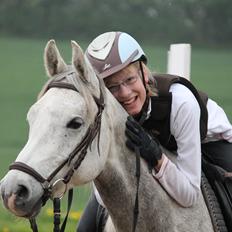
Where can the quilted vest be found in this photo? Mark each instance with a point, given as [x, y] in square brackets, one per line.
[159, 122]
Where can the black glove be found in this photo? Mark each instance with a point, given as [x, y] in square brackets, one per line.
[137, 137]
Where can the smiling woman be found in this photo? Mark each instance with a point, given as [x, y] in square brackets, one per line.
[18, 97]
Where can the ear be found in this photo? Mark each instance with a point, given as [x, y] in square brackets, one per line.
[80, 63]
[53, 62]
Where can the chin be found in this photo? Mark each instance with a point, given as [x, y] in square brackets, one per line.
[135, 111]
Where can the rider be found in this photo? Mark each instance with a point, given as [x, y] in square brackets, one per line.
[177, 119]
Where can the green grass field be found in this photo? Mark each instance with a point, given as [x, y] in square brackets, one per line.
[22, 76]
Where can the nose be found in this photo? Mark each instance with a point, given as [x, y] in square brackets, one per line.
[18, 199]
[21, 197]
[22, 194]
[124, 90]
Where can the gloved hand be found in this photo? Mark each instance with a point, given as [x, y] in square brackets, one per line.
[137, 137]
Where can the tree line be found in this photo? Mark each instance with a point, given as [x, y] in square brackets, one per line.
[203, 22]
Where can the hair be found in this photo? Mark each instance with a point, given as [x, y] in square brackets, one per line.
[151, 86]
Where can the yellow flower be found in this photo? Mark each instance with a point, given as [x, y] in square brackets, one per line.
[75, 215]
[49, 212]
[5, 229]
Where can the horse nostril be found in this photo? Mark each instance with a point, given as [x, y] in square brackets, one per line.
[22, 192]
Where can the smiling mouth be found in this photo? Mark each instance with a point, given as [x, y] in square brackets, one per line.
[129, 102]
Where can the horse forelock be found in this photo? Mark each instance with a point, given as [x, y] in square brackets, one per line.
[58, 78]
[86, 89]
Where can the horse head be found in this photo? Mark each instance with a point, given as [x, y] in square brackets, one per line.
[64, 132]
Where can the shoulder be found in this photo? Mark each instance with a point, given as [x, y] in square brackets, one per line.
[183, 100]
[184, 117]
[182, 94]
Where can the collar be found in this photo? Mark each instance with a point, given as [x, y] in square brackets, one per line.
[148, 109]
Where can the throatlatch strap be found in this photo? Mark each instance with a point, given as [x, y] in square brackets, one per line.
[70, 197]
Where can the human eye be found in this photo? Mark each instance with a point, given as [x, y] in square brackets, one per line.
[130, 80]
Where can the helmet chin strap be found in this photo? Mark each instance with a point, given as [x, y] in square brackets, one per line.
[143, 77]
[141, 117]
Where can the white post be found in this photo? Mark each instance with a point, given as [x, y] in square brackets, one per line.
[179, 60]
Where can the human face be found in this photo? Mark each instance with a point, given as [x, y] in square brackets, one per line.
[127, 87]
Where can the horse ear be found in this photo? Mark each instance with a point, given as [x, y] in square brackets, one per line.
[53, 62]
[80, 63]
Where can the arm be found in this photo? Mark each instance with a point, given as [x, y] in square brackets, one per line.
[182, 180]
[219, 126]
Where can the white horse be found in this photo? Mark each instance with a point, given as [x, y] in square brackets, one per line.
[59, 121]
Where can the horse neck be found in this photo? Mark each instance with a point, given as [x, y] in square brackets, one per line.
[116, 183]
[117, 187]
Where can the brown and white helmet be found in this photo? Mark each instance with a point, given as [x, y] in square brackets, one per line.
[110, 52]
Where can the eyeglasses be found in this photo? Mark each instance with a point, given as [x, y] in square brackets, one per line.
[127, 82]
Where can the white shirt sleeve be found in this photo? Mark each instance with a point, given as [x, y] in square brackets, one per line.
[182, 180]
[97, 195]
[219, 126]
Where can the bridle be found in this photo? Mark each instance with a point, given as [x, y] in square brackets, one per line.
[92, 132]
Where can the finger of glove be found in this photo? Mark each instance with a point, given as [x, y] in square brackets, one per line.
[130, 145]
[133, 125]
[156, 140]
[154, 150]
[149, 156]
[133, 137]
[133, 122]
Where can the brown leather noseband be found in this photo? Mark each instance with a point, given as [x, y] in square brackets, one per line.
[81, 148]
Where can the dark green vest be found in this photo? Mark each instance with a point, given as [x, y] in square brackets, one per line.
[159, 122]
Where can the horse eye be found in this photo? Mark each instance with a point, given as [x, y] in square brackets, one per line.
[75, 123]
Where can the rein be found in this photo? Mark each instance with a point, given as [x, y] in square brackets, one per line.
[137, 175]
[92, 132]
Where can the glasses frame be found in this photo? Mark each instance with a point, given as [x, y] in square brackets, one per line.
[115, 88]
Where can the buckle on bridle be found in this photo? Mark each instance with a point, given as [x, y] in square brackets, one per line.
[58, 184]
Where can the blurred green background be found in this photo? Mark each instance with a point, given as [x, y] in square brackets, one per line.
[26, 26]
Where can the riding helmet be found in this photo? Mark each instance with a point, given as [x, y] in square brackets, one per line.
[110, 52]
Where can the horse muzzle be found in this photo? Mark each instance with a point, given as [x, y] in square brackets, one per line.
[22, 197]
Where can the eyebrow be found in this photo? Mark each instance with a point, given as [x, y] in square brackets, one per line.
[116, 83]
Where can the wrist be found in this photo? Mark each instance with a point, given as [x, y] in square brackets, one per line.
[159, 164]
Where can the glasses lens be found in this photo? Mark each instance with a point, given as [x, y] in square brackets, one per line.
[114, 88]
[130, 80]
